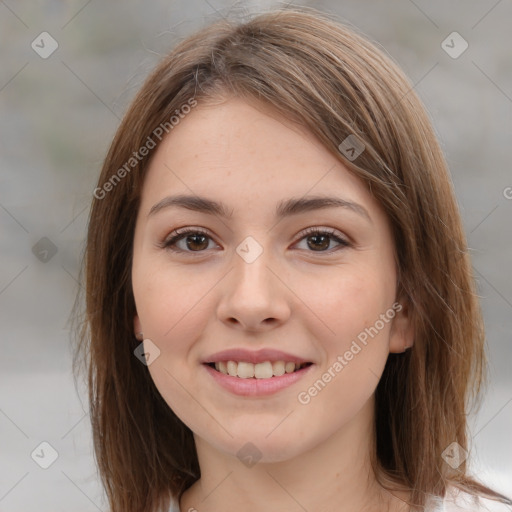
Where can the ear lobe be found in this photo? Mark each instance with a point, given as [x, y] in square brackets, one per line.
[402, 331]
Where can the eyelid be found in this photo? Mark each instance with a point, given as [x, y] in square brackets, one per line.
[188, 229]
[324, 230]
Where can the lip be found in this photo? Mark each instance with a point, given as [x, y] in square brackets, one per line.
[256, 387]
[252, 356]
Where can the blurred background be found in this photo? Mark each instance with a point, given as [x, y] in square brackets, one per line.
[68, 71]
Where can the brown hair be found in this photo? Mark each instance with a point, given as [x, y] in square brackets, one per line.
[336, 83]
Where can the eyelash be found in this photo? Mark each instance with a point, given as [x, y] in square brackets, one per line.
[182, 233]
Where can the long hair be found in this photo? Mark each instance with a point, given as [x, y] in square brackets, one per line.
[326, 76]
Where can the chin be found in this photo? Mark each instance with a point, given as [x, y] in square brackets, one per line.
[258, 446]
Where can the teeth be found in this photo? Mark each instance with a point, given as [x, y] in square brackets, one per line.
[263, 370]
[232, 368]
[289, 367]
[278, 368]
[245, 370]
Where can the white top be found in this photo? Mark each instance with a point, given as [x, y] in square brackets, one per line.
[454, 501]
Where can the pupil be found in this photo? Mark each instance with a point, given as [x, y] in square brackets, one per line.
[196, 237]
[326, 239]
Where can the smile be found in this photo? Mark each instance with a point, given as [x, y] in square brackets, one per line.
[263, 370]
[248, 379]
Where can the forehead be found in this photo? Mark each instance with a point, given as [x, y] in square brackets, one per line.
[235, 130]
[246, 155]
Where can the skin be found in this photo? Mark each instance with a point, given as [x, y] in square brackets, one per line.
[303, 298]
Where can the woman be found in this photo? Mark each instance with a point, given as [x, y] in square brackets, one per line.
[281, 313]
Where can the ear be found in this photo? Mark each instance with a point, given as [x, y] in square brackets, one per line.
[137, 327]
[402, 331]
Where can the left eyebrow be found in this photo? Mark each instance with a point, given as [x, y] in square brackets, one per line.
[284, 208]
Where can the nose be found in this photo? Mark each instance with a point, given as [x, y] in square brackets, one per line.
[254, 296]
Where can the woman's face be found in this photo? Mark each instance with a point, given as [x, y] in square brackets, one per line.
[271, 276]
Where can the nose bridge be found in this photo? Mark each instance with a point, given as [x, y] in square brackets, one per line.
[252, 293]
[252, 262]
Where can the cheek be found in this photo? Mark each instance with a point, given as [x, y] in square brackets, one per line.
[358, 312]
[348, 303]
[171, 306]
[356, 315]
[169, 302]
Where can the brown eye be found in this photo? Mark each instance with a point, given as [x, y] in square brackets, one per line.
[195, 241]
[319, 240]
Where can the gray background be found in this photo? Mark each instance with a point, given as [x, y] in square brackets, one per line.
[58, 116]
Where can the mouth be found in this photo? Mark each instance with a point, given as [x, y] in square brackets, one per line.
[258, 371]
[257, 380]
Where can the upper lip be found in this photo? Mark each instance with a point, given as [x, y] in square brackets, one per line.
[251, 356]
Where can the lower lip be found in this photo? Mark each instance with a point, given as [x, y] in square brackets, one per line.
[256, 387]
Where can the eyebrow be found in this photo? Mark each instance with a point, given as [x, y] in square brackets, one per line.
[284, 208]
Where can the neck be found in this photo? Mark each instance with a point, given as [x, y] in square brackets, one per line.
[336, 475]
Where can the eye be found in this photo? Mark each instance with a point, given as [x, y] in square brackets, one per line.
[320, 238]
[196, 240]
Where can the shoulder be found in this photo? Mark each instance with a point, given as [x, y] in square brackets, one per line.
[457, 500]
